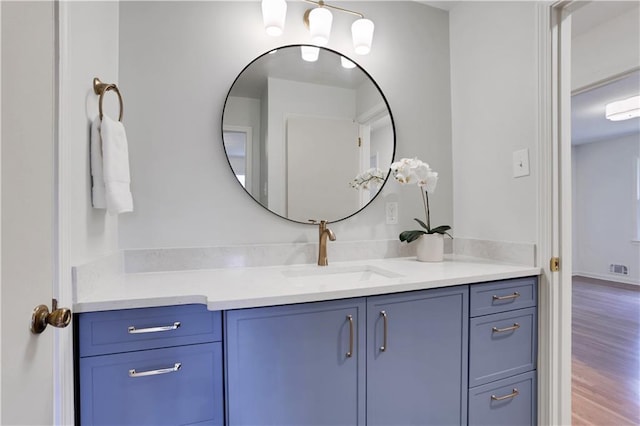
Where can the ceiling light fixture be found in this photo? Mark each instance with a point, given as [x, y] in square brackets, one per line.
[624, 109]
[319, 20]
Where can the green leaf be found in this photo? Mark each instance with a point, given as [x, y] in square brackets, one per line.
[440, 229]
[421, 223]
[410, 236]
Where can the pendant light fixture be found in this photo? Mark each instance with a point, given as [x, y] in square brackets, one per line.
[319, 21]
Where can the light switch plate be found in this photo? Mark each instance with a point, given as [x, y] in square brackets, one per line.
[521, 163]
[391, 210]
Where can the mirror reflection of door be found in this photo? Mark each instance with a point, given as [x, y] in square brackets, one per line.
[238, 147]
[322, 157]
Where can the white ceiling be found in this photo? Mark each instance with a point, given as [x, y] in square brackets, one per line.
[588, 123]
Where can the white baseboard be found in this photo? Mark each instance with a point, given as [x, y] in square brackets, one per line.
[607, 277]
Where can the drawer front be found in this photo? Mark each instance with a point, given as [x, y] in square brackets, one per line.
[501, 296]
[128, 330]
[159, 393]
[509, 402]
[502, 345]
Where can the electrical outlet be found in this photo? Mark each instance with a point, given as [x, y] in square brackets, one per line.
[521, 163]
[391, 210]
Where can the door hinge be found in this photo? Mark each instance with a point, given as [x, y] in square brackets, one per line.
[554, 265]
[359, 142]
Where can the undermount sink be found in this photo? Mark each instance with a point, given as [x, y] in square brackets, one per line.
[356, 273]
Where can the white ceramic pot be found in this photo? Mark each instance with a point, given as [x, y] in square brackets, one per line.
[430, 248]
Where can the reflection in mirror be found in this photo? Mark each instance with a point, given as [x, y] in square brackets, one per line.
[298, 132]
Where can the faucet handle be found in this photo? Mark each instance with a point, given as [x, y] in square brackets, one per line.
[313, 221]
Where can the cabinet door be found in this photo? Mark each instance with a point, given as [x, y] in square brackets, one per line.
[508, 402]
[170, 386]
[418, 374]
[289, 365]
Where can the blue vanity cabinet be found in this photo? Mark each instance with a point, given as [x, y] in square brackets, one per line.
[503, 336]
[153, 366]
[417, 358]
[300, 364]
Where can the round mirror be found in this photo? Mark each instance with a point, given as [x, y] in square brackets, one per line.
[308, 134]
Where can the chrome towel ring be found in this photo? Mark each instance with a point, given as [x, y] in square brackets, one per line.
[101, 88]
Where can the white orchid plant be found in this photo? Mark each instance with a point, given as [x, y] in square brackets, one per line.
[410, 171]
[372, 176]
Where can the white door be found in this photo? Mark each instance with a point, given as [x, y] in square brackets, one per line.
[27, 124]
[323, 157]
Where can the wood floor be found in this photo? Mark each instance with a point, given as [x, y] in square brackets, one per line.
[605, 358]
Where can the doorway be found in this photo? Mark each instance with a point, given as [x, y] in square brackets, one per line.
[605, 167]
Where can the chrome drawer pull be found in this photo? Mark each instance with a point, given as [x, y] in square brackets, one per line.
[350, 319]
[133, 330]
[502, 398]
[515, 326]
[383, 314]
[134, 373]
[515, 295]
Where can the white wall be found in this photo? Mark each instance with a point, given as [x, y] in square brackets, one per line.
[90, 49]
[604, 204]
[494, 91]
[177, 62]
[608, 49]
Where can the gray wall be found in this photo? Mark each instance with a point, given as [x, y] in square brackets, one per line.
[495, 92]
[177, 62]
[605, 206]
[90, 49]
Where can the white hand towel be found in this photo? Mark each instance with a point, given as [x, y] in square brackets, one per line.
[115, 166]
[97, 179]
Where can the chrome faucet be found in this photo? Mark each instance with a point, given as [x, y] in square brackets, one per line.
[324, 232]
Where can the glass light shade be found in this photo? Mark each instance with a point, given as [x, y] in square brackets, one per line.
[310, 53]
[624, 109]
[362, 33]
[320, 20]
[274, 13]
[347, 63]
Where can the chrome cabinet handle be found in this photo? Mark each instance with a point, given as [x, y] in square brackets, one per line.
[133, 330]
[350, 319]
[383, 314]
[515, 326]
[134, 373]
[501, 398]
[515, 295]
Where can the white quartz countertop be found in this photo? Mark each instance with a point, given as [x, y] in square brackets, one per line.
[234, 288]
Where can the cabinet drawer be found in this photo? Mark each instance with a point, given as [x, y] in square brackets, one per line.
[502, 345]
[158, 393]
[149, 328]
[500, 296]
[509, 402]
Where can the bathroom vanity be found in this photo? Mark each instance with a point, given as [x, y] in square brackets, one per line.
[362, 343]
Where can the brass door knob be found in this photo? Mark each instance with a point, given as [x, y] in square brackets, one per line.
[41, 317]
